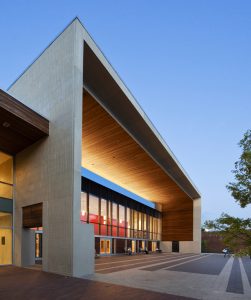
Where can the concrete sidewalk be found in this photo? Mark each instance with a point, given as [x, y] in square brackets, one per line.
[197, 276]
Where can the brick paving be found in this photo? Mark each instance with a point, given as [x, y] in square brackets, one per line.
[26, 284]
[154, 276]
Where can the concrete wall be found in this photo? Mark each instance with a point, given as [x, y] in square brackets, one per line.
[50, 170]
[166, 246]
[28, 247]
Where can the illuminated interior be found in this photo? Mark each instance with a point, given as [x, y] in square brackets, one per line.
[6, 175]
[109, 151]
[6, 195]
[112, 219]
[5, 238]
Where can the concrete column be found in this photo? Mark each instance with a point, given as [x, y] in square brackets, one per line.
[166, 246]
[50, 170]
[28, 247]
[85, 250]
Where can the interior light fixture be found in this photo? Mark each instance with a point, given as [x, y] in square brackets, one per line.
[6, 124]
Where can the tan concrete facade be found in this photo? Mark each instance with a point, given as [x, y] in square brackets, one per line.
[50, 171]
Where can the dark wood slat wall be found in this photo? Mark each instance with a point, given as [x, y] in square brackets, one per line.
[32, 216]
[97, 245]
[19, 125]
[22, 111]
[177, 221]
[120, 245]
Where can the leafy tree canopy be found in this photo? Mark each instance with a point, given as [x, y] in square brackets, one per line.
[236, 232]
[241, 188]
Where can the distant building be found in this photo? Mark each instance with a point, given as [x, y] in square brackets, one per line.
[212, 242]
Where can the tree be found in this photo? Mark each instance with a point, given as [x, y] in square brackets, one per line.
[236, 232]
[241, 188]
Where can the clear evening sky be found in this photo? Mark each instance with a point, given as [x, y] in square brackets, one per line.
[188, 63]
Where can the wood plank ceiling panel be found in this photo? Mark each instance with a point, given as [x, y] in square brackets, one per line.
[19, 125]
[109, 151]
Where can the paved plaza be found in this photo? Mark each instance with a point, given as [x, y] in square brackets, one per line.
[153, 276]
[205, 276]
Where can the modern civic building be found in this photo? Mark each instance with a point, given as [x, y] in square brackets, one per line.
[70, 110]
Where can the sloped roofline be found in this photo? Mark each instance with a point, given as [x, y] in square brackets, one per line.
[100, 55]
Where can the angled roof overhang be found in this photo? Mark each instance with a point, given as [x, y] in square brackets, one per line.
[20, 126]
[103, 84]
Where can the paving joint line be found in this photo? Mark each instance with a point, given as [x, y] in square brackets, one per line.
[152, 264]
[185, 262]
[114, 262]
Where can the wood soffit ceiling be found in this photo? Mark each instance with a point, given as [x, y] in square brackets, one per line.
[109, 151]
[19, 125]
[101, 81]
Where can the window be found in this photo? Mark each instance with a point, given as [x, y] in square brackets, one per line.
[155, 228]
[114, 219]
[84, 210]
[5, 238]
[103, 217]
[121, 221]
[121, 216]
[94, 212]
[114, 214]
[151, 227]
[109, 218]
[144, 222]
[140, 221]
[93, 209]
[6, 176]
[128, 221]
[159, 229]
[135, 219]
[103, 212]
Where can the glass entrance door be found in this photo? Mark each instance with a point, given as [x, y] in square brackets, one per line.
[38, 246]
[105, 246]
[133, 246]
[5, 238]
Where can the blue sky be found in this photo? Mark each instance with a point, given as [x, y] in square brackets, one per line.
[187, 63]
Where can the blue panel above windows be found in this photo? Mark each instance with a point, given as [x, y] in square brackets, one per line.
[6, 205]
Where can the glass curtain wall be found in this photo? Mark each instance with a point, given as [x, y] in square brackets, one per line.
[6, 195]
[5, 238]
[112, 219]
[6, 176]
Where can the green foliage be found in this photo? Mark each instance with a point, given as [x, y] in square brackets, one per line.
[203, 246]
[236, 232]
[241, 188]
